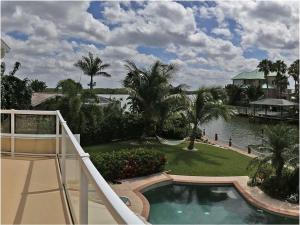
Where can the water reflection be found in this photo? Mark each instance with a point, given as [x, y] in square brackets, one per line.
[205, 204]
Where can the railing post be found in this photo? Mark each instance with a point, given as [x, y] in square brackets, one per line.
[83, 199]
[63, 153]
[12, 131]
[57, 134]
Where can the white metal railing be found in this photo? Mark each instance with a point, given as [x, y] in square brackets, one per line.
[70, 153]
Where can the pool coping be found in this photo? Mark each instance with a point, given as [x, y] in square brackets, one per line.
[178, 179]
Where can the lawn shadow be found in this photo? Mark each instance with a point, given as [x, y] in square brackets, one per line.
[191, 158]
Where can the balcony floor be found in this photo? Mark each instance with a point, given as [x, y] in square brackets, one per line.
[31, 192]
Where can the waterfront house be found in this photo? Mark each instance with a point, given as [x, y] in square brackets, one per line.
[256, 79]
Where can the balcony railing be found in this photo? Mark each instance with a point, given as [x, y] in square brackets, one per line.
[90, 198]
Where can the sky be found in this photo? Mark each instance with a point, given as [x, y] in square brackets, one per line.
[209, 41]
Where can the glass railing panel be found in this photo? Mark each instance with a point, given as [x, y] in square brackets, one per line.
[5, 123]
[35, 145]
[72, 173]
[5, 143]
[97, 210]
[35, 124]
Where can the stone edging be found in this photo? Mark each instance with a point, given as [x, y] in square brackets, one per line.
[247, 196]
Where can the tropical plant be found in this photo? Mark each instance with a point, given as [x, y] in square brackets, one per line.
[281, 79]
[253, 92]
[92, 66]
[3, 67]
[17, 66]
[128, 163]
[265, 66]
[235, 94]
[151, 94]
[280, 149]
[38, 86]
[15, 93]
[293, 71]
[70, 103]
[208, 105]
[69, 87]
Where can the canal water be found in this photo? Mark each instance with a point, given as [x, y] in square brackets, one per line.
[240, 129]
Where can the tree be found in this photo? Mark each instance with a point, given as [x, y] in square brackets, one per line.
[281, 148]
[253, 92]
[3, 67]
[92, 66]
[15, 93]
[265, 66]
[151, 94]
[69, 87]
[281, 79]
[293, 71]
[70, 103]
[38, 86]
[235, 94]
[17, 66]
[208, 105]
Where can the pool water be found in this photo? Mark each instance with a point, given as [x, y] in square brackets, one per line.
[205, 204]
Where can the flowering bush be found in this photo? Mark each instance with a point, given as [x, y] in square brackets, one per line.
[128, 163]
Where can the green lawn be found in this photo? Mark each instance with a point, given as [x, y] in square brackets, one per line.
[207, 161]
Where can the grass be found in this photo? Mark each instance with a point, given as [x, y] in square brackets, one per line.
[207, 161]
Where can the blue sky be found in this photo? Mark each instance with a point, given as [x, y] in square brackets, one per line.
[209, 41]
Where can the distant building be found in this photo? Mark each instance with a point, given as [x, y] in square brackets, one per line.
[4, 48]
[38, 98]
[256, 79]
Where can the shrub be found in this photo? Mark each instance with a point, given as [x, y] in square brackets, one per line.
[282, 187]
[15, 93]
[128, 163]
[277, 188]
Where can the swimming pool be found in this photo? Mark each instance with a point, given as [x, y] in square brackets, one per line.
[205, 204]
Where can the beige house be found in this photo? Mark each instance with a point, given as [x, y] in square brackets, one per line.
[4, 48]
[256, 79]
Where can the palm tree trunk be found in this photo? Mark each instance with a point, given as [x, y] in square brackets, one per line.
[279, 168]
[91, 83]
[192, 138]
[267, 87]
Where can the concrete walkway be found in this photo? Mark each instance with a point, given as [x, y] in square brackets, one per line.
[31, 192]
[132, 188]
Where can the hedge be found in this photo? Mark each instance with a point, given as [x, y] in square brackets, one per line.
[128, 163]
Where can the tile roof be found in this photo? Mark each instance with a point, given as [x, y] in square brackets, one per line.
[253, 75]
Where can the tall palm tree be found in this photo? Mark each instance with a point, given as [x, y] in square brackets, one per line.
[281, 79]
[151, 94]
[265, 66]
[293, 71]
[280, 149]
[92, 66]
[208, 105]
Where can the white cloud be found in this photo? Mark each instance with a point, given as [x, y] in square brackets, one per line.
[223, 32]
[49, 54]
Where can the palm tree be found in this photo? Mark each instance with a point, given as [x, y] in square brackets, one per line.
[281, 79]
[92, 66]
[280, 149]
[17, 66]
[150, 93]
[3, 67]
[293, 71]
[208, 105]
[265, 66]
